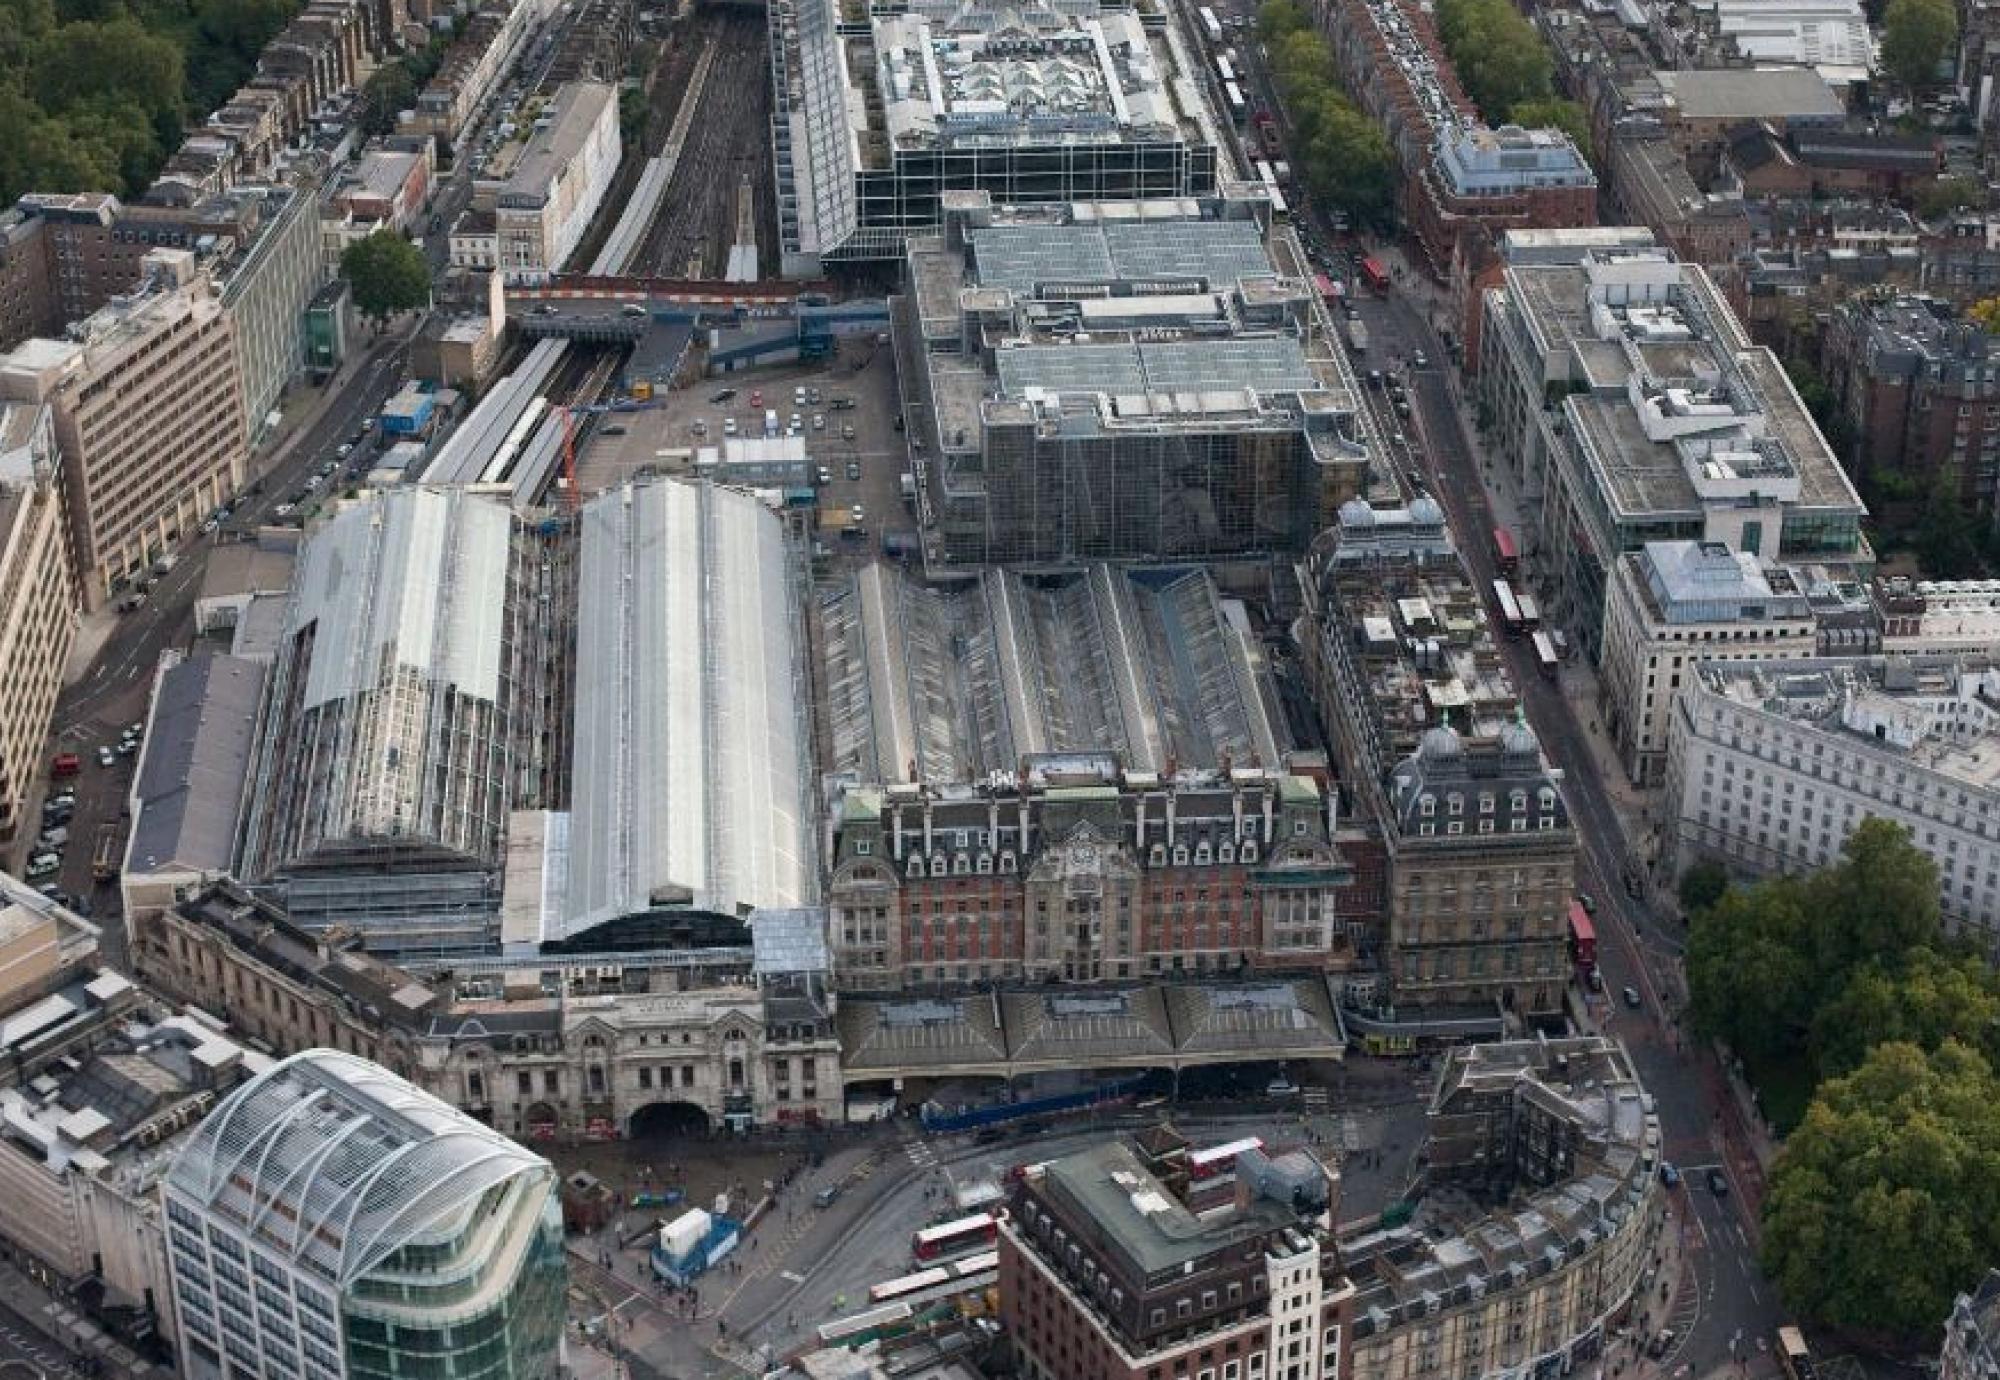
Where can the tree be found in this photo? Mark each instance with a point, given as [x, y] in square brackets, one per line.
[388, 273]
[1944, 538]
[390, 91]
[1702, 885]
[1349, 164]
[1500, 59]
[1879, 902]
[1750, 968]
[1554, 113]
[1276, 18]
[1916, 35]
[1925, 1000]
[1948, 194]
[1881, 1206]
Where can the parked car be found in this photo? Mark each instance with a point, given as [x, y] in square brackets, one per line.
[53, 838]
[65, 764]
[1718, 1183]
[1669, 1175]
[826, 1196]
[42, 868]
[854, 469]
[722, 395]
[1631, 995]
[104, 757]
[847, 433]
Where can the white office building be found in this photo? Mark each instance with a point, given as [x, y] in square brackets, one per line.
[1770, 765]
[1675, 603]
[328, 1221]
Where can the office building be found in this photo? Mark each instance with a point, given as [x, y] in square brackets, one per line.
[880, 113]
[1084, 776]
[382, 1232]
[149, 414]
[1672, 604]
[1972, 1334]
[556, 186]
[37, 599]
[1916, 382]
[1633, 408]
[1108, 1273]
[1771, 765]
[1428, 731]
[1557, 1141]
[1116, 381]
[1938, 617]
[396, 722]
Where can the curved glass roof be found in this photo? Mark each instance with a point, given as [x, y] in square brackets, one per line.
[334, 1163]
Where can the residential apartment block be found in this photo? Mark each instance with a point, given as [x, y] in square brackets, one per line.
[1917, 383]
[560, 180]
[149, 417]
[37, 599]
[1771, 765]
[1426, 724]
[1673, 604]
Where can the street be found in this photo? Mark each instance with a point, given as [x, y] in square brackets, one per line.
[1695, 1118]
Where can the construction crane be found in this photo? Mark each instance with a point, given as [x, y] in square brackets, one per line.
[570, 412]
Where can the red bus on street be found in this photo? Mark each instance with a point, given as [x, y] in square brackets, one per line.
[1506, 556]
[1376, 276]
[960, 1237]
[1582, 939]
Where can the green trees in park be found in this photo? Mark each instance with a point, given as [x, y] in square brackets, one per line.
[1881, 1202]
[1342, 156]
[388, 275]
[93, 93]
[1916, 36]
[1882, 1205]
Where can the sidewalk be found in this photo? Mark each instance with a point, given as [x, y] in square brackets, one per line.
[68, 1329]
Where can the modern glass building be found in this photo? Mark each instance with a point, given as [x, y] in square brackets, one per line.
[328, 1221]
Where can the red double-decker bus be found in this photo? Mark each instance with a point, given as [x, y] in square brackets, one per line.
[1506, 556]
[1376, 276]
[949, 1239]
[1582, 940]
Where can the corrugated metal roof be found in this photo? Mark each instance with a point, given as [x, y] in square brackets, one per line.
[688, 779]
[197, 756]
[411, 577]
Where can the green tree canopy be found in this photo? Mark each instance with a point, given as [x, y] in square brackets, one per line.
[1555, 113]
[1501, 61]
[1883, 1203]
[1916, 35]
[388, 274]
[1925, 1000]
[1702, 885]
[1276, 18]
[1945, 542]
[1342, 157]
[387, 93]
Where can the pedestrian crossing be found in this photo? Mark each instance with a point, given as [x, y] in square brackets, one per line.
[921, 1154]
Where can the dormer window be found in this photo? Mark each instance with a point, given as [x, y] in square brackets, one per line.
[1455, 803]
[1486, 803]
[1428, 805]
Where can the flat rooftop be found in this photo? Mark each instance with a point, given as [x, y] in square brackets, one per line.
[1764, 93]
[1109, 1186]
[1940, 713]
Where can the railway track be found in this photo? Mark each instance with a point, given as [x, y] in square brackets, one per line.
[727, 139]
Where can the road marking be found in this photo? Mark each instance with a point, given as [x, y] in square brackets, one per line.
[791, 1277]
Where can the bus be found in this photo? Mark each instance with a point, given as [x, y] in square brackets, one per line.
[1531, 612]
[1218, 1160]
[1224, 69]
[1375, 275]
[1510, 612]
[951, 1239]
[1210, 25]
[890, 1320]
[1545, 655]
[896, 1290]
[1582, 940]
[1506, 555]
[974, 1266]
[1794, 1356]
[1329, 289]
[1234, 94]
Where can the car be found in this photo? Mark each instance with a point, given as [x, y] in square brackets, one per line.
[841, 405]
[857, 515]
[729, 426]
[853, 470]
[722, 395]
[1420, 360]
[344, 448]
[42, 868]
[819, 421]
[1374, 378]
[1587, 901]
[698, 427]
[1631, 996]
[1661, 1343]
[65, 764]
[126, 747]
[207, 525]
[799, 397]
[796, 423]
[65, 796]
[1718, 1182]
[1669, 1175]
[312, 485]
[756, 397]
[105, 757]
[826, 1196]
[847, 433]
[284, 510]
[825, 476]
[614, 430]
[1403, 409]
[812, 396]
[45, 855]
[53, 838]
[1281, 1087]
[545, 309]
